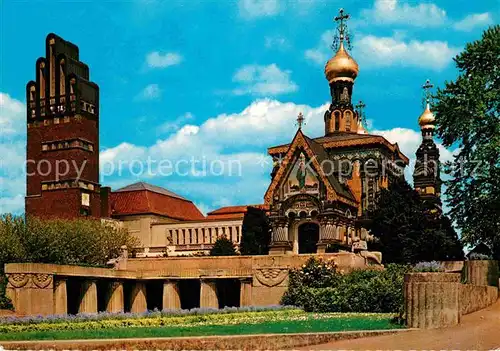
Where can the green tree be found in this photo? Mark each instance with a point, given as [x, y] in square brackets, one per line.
[76, 242]
[407, 232]
[223, 247]
[467, 115]
[256, 233]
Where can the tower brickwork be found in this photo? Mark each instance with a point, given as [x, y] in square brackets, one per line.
[62, 136]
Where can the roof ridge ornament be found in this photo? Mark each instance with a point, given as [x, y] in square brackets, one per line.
[300, 120]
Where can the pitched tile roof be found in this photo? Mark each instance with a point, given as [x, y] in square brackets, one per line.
[144, 198]
[150, 187]
[233, 212]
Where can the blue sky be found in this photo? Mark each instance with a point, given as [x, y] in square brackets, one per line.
[223, 80]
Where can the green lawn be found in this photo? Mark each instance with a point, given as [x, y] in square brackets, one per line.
[309, 323]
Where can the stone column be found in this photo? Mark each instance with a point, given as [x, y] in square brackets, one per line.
[280, 240]
[115, 298]
[208, 294]
[88, 297]
[432, 300]
[138, 298]
[171, 297]
[246, 292]
[60, 296]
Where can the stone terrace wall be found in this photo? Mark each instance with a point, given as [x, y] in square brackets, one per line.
[434, 300]
[48, 288]
[474, 298]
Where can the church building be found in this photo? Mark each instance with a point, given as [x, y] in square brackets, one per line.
[323, 187]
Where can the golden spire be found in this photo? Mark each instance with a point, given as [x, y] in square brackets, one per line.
[427, 119]
[341, 66]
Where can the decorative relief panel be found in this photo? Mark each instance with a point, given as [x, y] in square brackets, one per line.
[27, 280]
[271, 276]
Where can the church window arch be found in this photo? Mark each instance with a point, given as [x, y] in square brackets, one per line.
[337, 120]
[348, 118]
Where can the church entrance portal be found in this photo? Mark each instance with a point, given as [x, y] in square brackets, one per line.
[308, 237]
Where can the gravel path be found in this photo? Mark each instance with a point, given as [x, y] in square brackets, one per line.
[476, 331]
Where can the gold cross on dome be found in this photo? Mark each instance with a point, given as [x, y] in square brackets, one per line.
[427, 91]
[300, 120]
[342, 26]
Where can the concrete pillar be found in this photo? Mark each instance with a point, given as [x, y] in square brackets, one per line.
[60, 296]
[171, 297]
[88, 297]
[481, 272]
[246, 292]
[138, 302]
[115, 298]
[208, 294]
[432, 300]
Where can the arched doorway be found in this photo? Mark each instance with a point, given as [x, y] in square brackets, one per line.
[308, 237]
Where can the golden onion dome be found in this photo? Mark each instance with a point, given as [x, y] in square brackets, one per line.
[341, 66]
[427, 119]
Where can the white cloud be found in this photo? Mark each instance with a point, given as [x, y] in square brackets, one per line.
[157, 59]
[12, 151]
[317, 56]
[276, 42]
[473, 21]
[372, 51]
[388, 12]
[322, 52]
[12, 115]
[393, 51]
[173, 125]
[150, 92]
[241, 137]
[263, 80]
[258, 8]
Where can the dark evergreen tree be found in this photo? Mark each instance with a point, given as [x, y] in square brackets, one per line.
[223, 247]
[467, 115]
[256, 233]
[407, 232]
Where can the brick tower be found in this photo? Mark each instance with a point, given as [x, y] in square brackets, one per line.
[62, 150]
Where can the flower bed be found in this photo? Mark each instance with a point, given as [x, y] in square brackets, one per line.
[157, 325]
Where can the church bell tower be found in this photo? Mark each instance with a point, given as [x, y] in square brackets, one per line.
[341, 71]
[62, 153]
[426, 176]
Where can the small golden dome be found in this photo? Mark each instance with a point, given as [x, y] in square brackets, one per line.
[427, 119]
[341, 66]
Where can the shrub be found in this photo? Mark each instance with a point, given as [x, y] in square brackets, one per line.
[223, 247]
[432, 266]
[319, 287]
[76, 242]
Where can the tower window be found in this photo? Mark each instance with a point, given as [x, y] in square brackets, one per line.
[348, 121]
[337, 120]
[86, 199]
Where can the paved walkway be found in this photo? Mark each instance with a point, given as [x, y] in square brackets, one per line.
[476, 331]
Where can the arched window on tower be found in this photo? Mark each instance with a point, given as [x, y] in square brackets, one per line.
[348, 118]
[42, 80]
[62, 79]
[337, 120]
